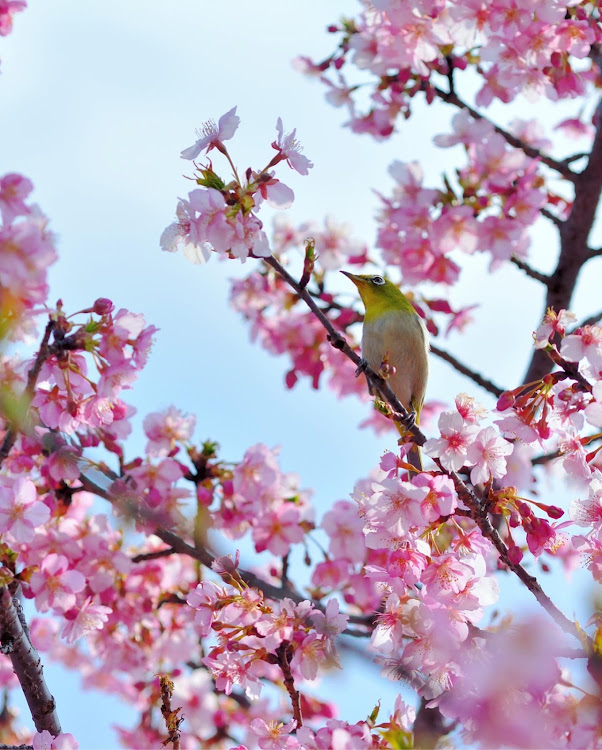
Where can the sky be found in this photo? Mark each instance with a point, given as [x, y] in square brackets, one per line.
[98, 100]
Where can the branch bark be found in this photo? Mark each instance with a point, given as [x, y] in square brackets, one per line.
[27, 665]
[574, 249]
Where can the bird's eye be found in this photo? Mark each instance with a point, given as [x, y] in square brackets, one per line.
[378, 280]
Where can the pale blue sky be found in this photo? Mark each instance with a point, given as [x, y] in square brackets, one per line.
[98, 99]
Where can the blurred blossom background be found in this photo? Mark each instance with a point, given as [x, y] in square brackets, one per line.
[98, 100]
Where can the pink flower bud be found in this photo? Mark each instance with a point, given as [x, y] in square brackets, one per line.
[505, 401]
[103, 306]
[515, 554]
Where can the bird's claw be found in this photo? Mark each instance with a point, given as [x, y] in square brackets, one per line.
[361, 368]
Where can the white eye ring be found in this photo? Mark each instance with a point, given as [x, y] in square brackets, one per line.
[378, 280]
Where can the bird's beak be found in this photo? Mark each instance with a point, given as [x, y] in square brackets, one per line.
[356, 279]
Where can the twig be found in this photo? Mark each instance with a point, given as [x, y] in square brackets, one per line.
[537, 275]
[552, 217]
[27, 665]
[284, 658]
[592, 320]
[170, 716]
[534, 153]
[488, 385]
[144, 556]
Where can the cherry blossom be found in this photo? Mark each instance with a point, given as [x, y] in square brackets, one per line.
[212, 135]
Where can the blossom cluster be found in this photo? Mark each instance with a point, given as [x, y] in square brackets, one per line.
[222, 217]
[498, 196]
[408, 48]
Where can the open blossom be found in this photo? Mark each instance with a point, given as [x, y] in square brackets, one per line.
[452, 447]
[553, 323]
[274, 735]
[14, 188]
[585, 343]
[46, 741]
[276, 530]
[165, 429]
[487, 453]
[55, 584]
[210, 135]
[330, 622]
[290, 149]
[20, 510]
[90, 616]
[345, 529]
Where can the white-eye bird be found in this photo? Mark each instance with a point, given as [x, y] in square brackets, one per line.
[394, 333]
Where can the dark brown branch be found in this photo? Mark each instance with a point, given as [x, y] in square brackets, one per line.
[534, 153]
[591, 321]
[32, 377]
[27, 665]
[170, 715]
[144, 556]
[488, 385]
[552, 217]
[284, 662]
[574, 249]
[429, 726]
[545, 280]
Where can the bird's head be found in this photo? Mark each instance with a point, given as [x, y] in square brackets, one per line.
[379, 295]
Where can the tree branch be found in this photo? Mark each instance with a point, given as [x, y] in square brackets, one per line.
[27, 665]
[534, 153]
[574, 249]
[488, 385]
[545, 280]
[552, 217]
[591, 321]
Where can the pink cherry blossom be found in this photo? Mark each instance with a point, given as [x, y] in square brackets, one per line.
[274, 735]
[88, 617]
[345, 529]
[452, 447]
[585, 343]
[165, 429]
[486, 453]
[20, 510]
[55, 584]
[290, 149]
[330, 622]
[45, 741]
[14, 189]
[211, 135]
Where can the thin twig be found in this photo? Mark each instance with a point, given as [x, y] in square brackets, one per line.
[488, 385]
[551, 217]
[537, 275]
[284, 658]
[591, 321]
[144, 556]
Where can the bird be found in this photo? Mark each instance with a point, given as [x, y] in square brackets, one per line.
[394, 333]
